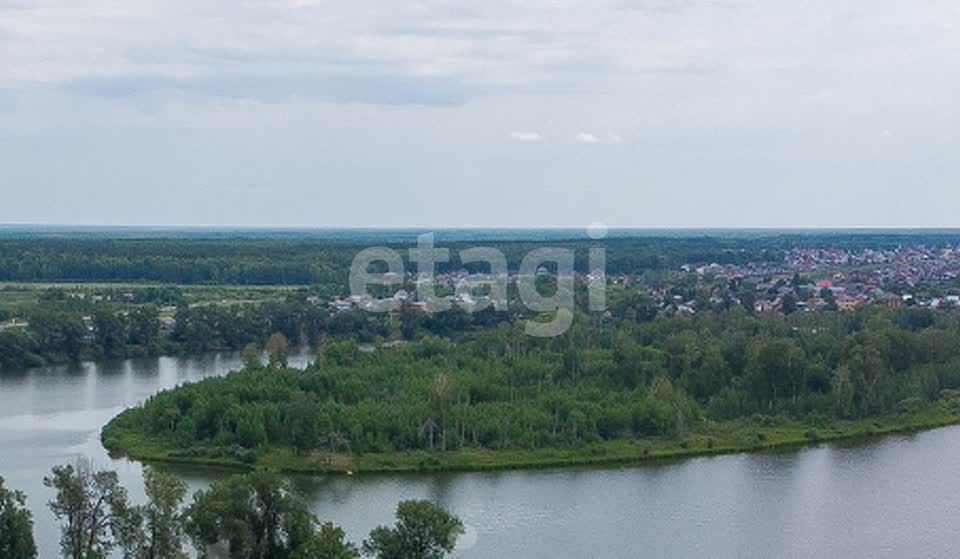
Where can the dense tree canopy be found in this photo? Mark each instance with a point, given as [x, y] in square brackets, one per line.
[259, 516]
[500, 389]
[16, 526]
[252, 260]
[423, 531]
[154, 530]
[93, 507]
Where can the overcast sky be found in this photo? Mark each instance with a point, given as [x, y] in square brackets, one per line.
[639, 113]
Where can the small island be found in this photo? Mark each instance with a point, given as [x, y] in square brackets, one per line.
[614, 390]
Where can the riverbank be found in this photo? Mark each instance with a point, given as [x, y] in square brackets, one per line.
[709, 439]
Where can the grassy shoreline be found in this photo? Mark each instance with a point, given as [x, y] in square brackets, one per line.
[710, 439]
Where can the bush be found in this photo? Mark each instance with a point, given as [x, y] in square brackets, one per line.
[818, 421]
[730, 403]
[910, 405]
[652, 418]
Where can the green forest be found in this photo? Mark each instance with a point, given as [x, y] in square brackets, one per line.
[304, 258]
[609, 389]
[305, 261]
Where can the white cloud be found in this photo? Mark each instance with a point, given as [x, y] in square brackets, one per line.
[526, 136]
[661, 51]
[590, 138]
[708, 86]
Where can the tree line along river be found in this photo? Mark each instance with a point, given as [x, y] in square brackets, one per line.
[897, 496]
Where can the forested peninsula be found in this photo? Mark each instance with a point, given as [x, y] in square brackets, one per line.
[611, 390]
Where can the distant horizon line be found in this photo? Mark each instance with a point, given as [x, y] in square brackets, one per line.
[68, 226]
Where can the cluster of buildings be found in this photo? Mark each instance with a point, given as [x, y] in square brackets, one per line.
[840, 279]
[402, 298]
[127, 297]
[13, 324]
[806, 279]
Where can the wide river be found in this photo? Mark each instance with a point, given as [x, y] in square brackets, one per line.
[894, 497]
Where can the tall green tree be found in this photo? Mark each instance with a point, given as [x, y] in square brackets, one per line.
[250, 356]
[278, 351]
[843, 391]
[303, 422]
[110, 334]
[92, 508]
[870, 376]
[144, 328]
[16, 526]
[775, 369]
[257, 516]
[423, 531]
[789, 303]
[59, 333]
[441, 394]
[329, 542]
[155, 530]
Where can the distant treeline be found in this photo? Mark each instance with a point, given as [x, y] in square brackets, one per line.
[183, 261]
[303, 262]
[305, 259]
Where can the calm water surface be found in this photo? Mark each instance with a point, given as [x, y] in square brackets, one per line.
[896, 497]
